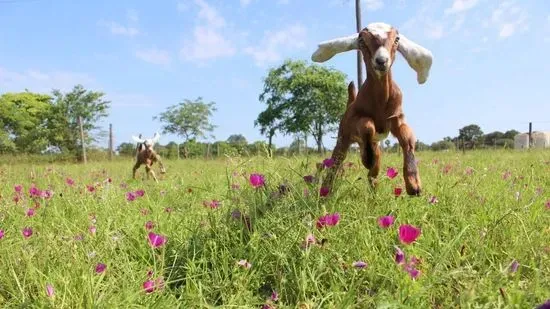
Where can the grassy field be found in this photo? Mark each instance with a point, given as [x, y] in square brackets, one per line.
[89, 236]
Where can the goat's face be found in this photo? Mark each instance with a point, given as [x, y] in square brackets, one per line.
[378, 43]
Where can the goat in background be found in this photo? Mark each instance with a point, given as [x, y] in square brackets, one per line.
[145, 154]
[376, 109]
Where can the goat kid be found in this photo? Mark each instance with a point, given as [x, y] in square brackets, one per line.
[145, 154]
[376, 110]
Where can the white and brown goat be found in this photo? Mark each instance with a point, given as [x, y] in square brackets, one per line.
[375, 111]
[145, 154]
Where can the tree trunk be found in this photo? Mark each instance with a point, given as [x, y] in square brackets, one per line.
[269, 143]
[319, 139]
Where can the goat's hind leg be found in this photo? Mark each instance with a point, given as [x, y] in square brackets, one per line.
[407, 141]
[369, 148]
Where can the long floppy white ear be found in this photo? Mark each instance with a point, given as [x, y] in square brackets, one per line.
[418, 57]
[137, 139]
[156, 137]
[327, 49]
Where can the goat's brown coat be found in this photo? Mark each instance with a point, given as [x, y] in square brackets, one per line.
[148, 156]
[375, 109]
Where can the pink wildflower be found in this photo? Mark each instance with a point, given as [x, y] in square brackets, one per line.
[156, 240]
[30, 212]
[100, 268]
[92, 230]
[328, 220]
[244, 263]
[324, 191]
[385, 221]
[149, 225]
[391, 173]
[27, 232]
[18, 188]
[1, 234]
[139, 193]
[328, 163]
[408, 233]
[49, 290]
[397, 191]
[149, 286]
[399, 256]
[359, 264]
[257, 180]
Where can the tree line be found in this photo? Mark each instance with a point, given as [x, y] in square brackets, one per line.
[302, 100]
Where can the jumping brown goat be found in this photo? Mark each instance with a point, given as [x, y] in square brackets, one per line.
[375, 111]
[145, 154]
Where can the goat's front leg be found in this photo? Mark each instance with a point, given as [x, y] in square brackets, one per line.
[135, 168]
[407, 141]
[369, 148]
[150, 171]
[339, 154]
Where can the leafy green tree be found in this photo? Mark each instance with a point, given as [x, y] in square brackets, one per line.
[126, 149]
[302, 98]
[188, 119]
[471, 134]
[510, 134]
[237, 139]
[23, 120]
[67, 108]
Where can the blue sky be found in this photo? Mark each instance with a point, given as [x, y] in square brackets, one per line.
[490, 64]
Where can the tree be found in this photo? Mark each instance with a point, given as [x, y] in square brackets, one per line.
[491, 139]
[66, 110]
[471, 134]
[188, 119]
[126, 149]
[23, 122]
[302, 98]
[237, 139]
[510, 134]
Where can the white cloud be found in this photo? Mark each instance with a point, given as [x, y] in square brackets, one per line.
[460, 6]
[508, 19]
[207, 44]
[269, 49]
[372, 5]
[210, 38]
[154, 56]
[118, 29]
[245, 3]
[40, 81]
[132, 15]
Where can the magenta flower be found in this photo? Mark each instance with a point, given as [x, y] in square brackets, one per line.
[92, 230]
[69, 181]
[308, 178]
[328, 163]
[244, 263]
[149, 286]
[274, 296]
[433, 200]
[310, 240]
[413, 272]
[391, 173]
[359, 264]
[328, 220]
[49, 290]
[90, 188]
[156, 240]
[257, 180]
[385, 221]
[18, 188]
[408, 233]
[397, 191]
[399, 256]
[130, 196]
[214, 204]
[149, 225]
[30, 212]
[514, 266]
[139, 193]
[34, 191]
[27, 232]
[324, 191]
[547, 204]
[100, 268]
[1, 234]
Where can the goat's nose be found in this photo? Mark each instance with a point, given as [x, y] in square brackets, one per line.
[381, 60]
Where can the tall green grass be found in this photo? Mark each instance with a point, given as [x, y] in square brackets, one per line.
[490, 212]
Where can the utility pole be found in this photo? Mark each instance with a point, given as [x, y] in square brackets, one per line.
[530, 134]
[82, 140]
[110, 141]
[359, 56]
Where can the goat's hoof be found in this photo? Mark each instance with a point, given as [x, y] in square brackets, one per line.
[414, 191]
